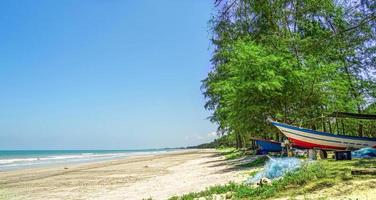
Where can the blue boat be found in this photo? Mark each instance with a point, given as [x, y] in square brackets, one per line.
[266, 146]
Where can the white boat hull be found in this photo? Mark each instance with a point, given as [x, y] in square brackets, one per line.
[307, 138]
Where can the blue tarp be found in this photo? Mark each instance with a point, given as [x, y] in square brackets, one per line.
[364, 153]
[275, 168]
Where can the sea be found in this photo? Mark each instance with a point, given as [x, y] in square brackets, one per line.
[21, 159]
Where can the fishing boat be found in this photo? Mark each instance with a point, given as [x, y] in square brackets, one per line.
[266, 146]
[309, 139]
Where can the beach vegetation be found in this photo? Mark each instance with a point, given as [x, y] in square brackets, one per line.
[231, 153]
[309, 178]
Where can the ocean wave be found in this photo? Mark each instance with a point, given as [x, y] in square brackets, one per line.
[11, 162]
[15, 160]
[26, 159]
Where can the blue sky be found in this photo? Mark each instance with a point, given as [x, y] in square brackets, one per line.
[103, 74]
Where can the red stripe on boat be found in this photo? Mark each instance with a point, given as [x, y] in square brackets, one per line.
[308, 145]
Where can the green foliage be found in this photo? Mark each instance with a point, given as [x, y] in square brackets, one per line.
[242, 191]
[208, 192]
[290, 60]
[234, 155]
[231, 153]
[309, 178]
[253, 173]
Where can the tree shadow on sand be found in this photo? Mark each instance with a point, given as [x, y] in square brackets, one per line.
[242, 163]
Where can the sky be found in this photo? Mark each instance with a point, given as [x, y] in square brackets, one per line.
[103, 74]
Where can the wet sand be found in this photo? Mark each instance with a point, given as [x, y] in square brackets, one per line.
[137, 177]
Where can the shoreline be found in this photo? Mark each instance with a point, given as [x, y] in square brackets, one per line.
[84, 163]
[135, 177]
[66, 157]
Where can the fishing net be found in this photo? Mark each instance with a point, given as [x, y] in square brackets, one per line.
[364, 153]
[275, 168]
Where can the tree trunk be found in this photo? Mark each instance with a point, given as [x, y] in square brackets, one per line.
[343, 127]
[330, 127]
[360, 130]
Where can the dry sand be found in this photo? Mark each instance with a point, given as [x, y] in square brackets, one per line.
[157, 176]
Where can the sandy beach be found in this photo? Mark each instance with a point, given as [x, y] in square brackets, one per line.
[136, 177]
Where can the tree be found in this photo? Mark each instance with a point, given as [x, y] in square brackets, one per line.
[293, 60]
